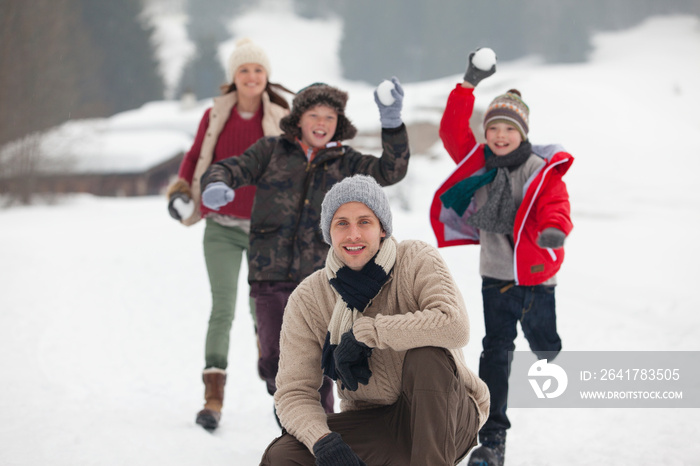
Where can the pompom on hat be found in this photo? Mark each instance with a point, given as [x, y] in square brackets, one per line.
[358, 188]
[247, 51]
[509, 108]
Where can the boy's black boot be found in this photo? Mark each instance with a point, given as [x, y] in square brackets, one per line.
[492, 450]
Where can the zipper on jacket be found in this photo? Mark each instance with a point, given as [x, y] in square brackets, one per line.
[551, 254]
[300, 210]
[305, 195]
[547, 169]
[309, 153]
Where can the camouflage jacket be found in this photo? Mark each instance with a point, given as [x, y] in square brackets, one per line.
[286, 243]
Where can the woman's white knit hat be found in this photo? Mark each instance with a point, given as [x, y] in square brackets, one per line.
[358, 188]
[247, 51]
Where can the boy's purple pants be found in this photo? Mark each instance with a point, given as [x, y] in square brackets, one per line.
[270, 301]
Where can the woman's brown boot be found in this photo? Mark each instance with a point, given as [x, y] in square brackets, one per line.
[214, 383]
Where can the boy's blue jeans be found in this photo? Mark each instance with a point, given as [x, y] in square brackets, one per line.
[504, 305]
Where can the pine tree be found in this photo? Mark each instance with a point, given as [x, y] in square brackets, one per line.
[64, 59]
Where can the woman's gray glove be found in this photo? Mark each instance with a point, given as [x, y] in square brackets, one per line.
[332, 451]
[390, 115]
[551, 238]
[217, 194]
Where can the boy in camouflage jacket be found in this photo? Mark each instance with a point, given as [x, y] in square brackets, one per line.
[292, 173]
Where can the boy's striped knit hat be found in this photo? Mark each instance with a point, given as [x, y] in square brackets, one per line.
[509, 108]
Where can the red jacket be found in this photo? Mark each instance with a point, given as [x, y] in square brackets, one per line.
[545, 202]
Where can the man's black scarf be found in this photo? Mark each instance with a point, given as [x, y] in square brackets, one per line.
[355, 289]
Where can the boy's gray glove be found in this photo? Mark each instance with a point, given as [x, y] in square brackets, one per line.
[475, 75]
[332, 451]
[551, 238]
[390, 115]
[217, 194]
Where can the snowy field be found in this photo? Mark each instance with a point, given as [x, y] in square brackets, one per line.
[105, 301]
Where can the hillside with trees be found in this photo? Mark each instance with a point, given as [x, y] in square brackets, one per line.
[69, 59]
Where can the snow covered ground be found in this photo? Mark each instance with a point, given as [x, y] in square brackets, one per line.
[105, 301]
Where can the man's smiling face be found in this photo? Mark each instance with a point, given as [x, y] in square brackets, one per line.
[356, 234]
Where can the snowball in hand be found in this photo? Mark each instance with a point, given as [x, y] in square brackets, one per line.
[484, 58]
[185, 209]
[384, 92]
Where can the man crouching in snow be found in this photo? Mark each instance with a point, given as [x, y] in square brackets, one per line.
[387, 322]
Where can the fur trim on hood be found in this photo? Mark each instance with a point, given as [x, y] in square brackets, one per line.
[311, 96]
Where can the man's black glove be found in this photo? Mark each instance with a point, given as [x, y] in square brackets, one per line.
[551, 238]
[352, 361]
[474, 75]
[332, 451]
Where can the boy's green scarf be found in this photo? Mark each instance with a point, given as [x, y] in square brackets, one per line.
[498, 214]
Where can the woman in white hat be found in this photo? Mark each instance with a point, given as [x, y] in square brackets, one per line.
[250, 108]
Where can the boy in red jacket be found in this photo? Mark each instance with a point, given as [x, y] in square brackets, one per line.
[509, 197]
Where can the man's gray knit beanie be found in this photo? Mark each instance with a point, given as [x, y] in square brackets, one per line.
[358, 188]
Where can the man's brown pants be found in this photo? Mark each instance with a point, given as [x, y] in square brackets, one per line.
[434, 421]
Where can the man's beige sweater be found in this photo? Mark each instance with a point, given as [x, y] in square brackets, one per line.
[420, 305]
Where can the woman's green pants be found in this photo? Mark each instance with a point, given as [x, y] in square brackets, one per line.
[224, 249]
